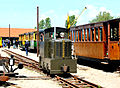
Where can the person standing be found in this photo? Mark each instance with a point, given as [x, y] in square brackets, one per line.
[3, 43]
[26, 47]
[16, 43]
[8, 44]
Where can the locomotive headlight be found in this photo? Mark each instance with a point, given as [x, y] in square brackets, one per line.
[62, 35]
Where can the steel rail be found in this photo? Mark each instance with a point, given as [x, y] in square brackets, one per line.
[31, 78]
[25, 61]
[22, 56]
[75, 82]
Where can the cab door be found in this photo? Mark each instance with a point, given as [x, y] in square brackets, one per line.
[114, 41]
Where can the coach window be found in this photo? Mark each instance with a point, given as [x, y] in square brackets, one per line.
[96, 34]
[100, 33]
[89, 34]
[114, 31]
[82, 34]
[79, 35]
[114, 34]
[92, 31]
[35, 36]
[85, 34]
[74, 35]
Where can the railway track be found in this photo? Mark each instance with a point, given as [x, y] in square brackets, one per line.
[28, 62]
[75, 82]
[71, 82]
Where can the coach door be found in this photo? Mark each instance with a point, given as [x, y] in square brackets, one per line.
[114, 40]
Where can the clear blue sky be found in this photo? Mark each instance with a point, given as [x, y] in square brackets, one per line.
[22, 13]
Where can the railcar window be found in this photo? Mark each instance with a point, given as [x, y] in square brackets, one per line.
[82, 34]
[114, 34]
[96, 34]
[74, 35]
[85, 34]
[89, 34]
[35, 36]
[79, 35]
[100, 34]
[92, 30]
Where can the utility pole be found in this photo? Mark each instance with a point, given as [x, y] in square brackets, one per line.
[37, 31]
[9, 31]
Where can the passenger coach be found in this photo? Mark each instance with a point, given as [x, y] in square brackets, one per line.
[97, 41]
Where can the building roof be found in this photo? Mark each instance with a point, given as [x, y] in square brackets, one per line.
[14, 32]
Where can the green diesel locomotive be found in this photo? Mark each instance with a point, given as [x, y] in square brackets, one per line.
[55, 51]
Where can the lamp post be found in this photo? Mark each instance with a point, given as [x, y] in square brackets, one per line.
[37, 31]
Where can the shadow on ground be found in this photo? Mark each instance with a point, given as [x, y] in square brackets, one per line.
[6, 84]
[98, 65]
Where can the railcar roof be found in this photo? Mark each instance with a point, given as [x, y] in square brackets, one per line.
[59, 29]
[97, 23]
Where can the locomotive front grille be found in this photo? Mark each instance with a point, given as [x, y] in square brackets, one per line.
[63, 49]
[63, 55]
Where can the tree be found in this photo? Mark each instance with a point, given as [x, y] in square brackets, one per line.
[42, 24]
[102, 16]
[35, 27]
[71, 19]
[47, 23]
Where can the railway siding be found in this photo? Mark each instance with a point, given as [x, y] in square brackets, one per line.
[105, 79]
[27, 61]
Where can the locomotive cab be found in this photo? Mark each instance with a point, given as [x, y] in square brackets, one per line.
[55, 51]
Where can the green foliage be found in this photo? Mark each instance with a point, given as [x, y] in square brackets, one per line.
[71, 19]
[102, 16]
[44, 23]
[47, 23]
[35, 27]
